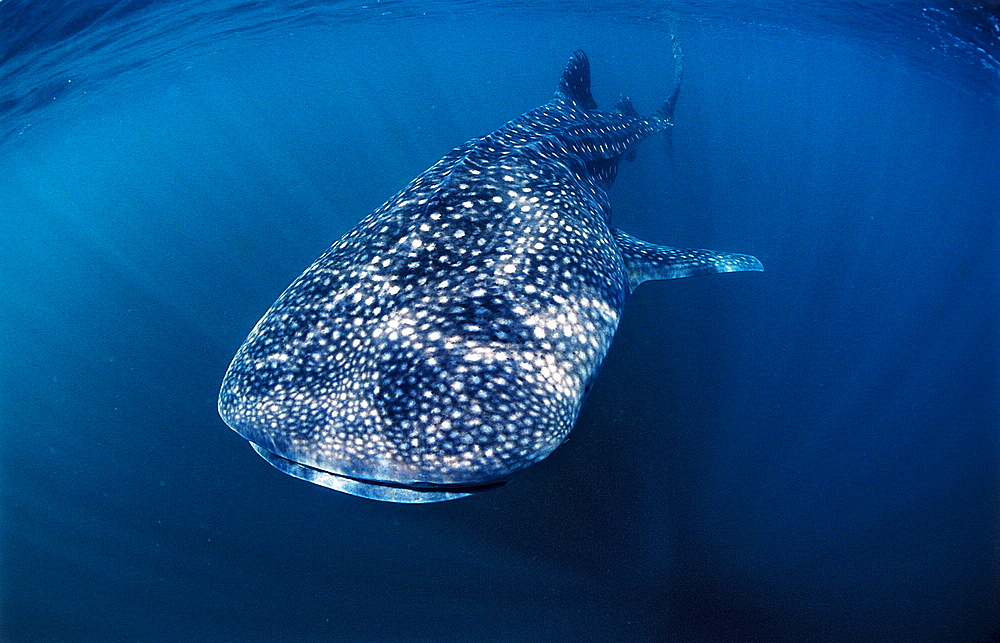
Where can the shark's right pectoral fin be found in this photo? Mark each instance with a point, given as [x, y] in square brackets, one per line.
[648, 262]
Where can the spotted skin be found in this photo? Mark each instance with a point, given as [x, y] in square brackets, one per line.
[448, 340]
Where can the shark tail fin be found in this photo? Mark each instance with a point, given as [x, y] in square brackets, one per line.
[667, 109]
[575, 83]
[648, 262]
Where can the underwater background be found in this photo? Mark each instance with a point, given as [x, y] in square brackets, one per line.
[811, 453]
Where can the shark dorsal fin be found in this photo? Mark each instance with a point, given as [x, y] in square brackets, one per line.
[626, 107]
[575, 83]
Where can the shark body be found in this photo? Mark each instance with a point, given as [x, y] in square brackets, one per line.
[448, 341]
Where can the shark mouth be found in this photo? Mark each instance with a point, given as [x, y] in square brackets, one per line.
[385, 490]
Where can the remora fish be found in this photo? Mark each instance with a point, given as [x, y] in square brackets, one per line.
[448, 340]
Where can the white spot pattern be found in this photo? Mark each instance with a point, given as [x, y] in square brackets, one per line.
[450, 337]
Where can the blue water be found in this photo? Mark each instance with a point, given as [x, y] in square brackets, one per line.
[811, 453]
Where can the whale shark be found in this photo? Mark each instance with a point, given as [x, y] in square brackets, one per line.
[448, 340]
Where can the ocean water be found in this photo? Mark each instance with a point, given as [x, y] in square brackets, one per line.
[811, 453]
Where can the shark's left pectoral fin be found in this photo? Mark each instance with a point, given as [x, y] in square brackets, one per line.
[648, 262]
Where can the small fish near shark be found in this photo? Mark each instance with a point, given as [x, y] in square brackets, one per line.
[447, 342]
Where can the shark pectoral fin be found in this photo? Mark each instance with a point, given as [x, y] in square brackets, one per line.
[648, 262]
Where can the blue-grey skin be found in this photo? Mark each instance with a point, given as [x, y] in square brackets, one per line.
[447, 341]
